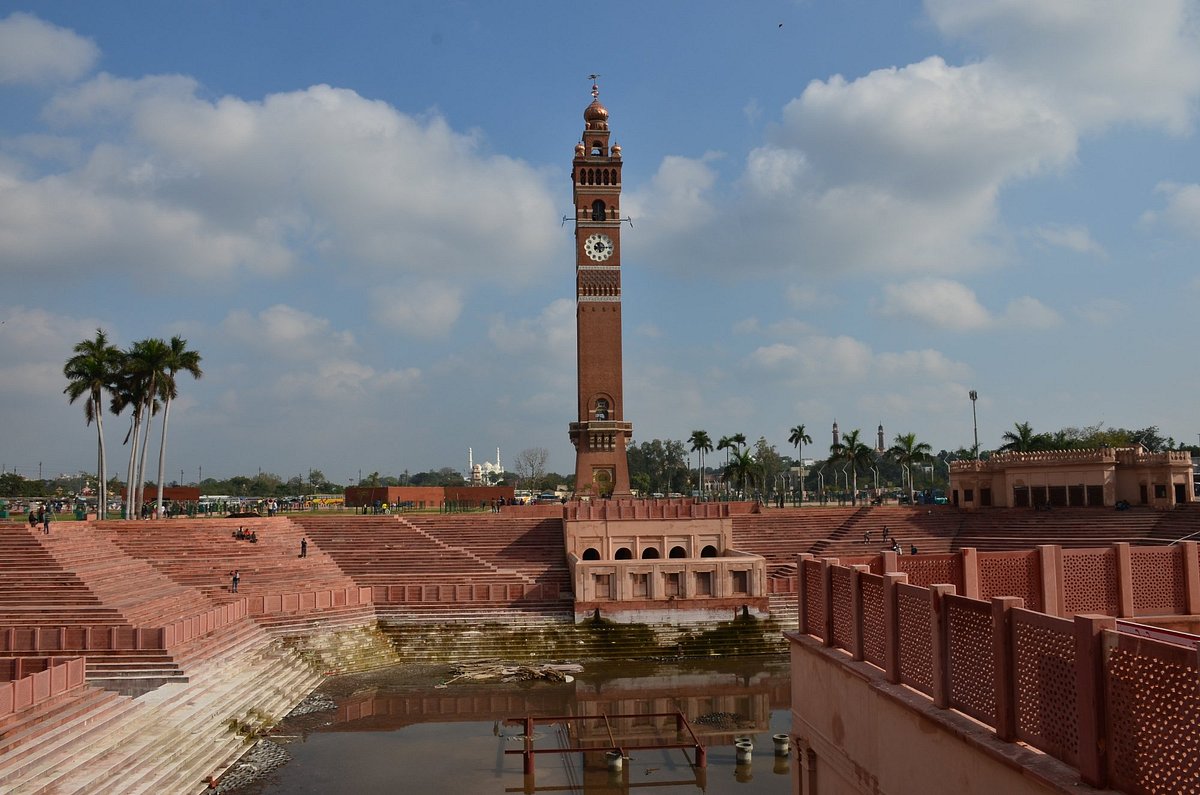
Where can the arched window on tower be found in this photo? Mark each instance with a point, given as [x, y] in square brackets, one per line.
[602, 409]
[598, 210]
[597, 148]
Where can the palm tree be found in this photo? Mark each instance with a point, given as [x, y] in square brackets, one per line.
[798, 438]
[739, 439]
[142, 375]
[906, 451]
[90, 371]
[741, 470]
[179, 359]
[1021, 439]
[701, 444]
[854, 452]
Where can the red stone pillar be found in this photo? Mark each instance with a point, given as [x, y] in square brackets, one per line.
[1125, 607]
[1050, 559]
[940, 648]
[1089, 696]
[827, 565]
[1004, 651]
[891, 626]
[968, 558]
[801, 593]
[856, 613]
[1191, 576]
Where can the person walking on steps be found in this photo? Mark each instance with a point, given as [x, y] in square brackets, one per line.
[304, 547]
[234, 578]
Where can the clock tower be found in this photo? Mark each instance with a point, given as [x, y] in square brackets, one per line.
[601, 434]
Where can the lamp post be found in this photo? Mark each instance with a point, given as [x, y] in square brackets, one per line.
[975, 420]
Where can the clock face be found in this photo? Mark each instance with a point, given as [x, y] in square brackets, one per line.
[598, 247]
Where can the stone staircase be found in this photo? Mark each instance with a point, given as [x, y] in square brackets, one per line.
[169, 740]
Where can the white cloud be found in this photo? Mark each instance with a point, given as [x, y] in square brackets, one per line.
[1028, 313]
[210, 190]
[338, 381]
[286, 332]
[1182, 209]
[1100, 61]
[820, 358]
[946, 304]
[1102, 311]
[425, 309]
[937, 302]
[35, 52]
[1071, 237]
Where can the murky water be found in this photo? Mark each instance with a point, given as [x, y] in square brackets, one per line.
[392, 731]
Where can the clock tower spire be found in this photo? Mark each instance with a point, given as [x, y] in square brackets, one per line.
[601, 433]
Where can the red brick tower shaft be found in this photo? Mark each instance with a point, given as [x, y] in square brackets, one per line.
[601, 434]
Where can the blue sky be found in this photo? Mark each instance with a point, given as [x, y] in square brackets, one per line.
[841, 210]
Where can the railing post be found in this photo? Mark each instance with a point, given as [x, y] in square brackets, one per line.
[1004, 652]
[1089, 696]
[890, 561]
[891, 626]
[1124, 580]
[856, 614]
[968, 559]
[1050, 560]
[940, 648]
[827, 565]
[1191, 576]
[802, 593]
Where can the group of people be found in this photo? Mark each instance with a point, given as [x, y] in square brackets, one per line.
[235, 576]
[40, 516]
[895, 541]
[246, 535]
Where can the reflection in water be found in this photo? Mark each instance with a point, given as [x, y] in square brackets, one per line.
[392, 731]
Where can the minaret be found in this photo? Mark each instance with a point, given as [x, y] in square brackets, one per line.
[837, 437]
[601, 434]
[879, 442]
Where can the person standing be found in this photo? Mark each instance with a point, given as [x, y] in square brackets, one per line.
[234, 578]
[46, 512]
[304, 547]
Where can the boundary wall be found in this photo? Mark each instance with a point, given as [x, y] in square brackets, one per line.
[1118, 708]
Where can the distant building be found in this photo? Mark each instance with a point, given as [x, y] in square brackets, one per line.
[1099, 477]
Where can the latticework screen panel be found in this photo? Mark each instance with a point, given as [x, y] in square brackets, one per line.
[814, 598]
[1158, 581]
[843, 616]
[916, 637]
[972, 661]
[1011, 574]
[1044, 667]
[871, 590]
[1153, 699]
[926, 570]
[1089, 581]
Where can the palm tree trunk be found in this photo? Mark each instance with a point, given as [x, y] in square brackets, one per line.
[130, 473]
[102, 486]
[800, 453]
[162, 452]
[141, 481]
[854, 493]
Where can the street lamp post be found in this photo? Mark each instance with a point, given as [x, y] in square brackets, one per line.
[975, 420]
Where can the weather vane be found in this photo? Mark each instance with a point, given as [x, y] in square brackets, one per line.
[595, 88]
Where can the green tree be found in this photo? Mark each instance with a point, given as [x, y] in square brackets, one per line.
[179, 359]
[742, 471]
[770, 463]
[1021, 439]
[797, 438]
[906, 451]
[853, 451]
[90, 371]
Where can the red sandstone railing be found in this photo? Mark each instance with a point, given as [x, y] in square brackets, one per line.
[1118, 707]
[1119, 580]
[308, 601]
[654, 510]
[464, 593]
[28, 681]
